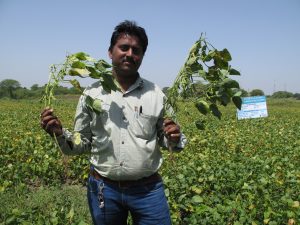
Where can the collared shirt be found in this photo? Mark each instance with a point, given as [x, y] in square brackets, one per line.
[124, 140]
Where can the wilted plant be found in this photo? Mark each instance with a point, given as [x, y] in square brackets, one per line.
[204, 62]
[210, 66]
[82, 65]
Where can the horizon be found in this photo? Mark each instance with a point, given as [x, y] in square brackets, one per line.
[260, 35]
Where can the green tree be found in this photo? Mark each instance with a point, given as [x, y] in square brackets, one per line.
[297, 96]
[244, 93]
[282, 94]
[8, 86]
[34, 87]
[256, 92]
[22, 93]
[60, 90]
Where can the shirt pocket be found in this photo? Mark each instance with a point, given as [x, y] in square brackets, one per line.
[144, 126]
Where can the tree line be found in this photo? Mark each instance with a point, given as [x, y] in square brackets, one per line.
[200, 90]
[12, 89]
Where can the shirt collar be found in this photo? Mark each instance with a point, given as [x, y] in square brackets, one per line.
[138, 84]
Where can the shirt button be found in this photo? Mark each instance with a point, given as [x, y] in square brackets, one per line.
[122, 142]
[121, 163]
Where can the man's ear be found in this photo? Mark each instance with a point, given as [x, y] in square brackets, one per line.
[109, 54]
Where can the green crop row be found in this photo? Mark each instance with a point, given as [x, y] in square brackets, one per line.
[233, 172]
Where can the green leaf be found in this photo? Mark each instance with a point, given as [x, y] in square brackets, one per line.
[234, 72]
[225, 99]
[89, 101]
[93, 104]
[225, 55]
[78, 72]
[202, 73]
[238, 93]
[220, 63]
[70, 215]
[229, 83]
[212, 74]
[102, 65]
[202, 106]
[197, 199]
[11, 220]
[196, 67]
[192, 60]
[93, 72]
[76, 84]
[224, 72]
[81, 55]
[167, 192]
[195, 48]
[181, 197]
[237, 101]
[200, 124]
[215, 111]
[97, 106]
[108, 82]
[73, 72]
[207, 58]
[212, 53]
[78, 64]
[180, 176]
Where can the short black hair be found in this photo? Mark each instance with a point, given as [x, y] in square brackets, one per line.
[130, 28]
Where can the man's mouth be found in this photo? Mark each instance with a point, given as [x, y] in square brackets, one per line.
[128, 62]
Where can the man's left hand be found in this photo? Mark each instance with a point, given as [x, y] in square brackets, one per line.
[172, 130]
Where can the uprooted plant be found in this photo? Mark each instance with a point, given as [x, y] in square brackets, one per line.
[204, 64]
[209, 66]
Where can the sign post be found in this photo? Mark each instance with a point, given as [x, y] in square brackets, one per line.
[253, 107]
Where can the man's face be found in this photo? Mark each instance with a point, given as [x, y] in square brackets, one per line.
[126, 55]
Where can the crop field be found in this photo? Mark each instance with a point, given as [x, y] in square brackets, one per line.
[233, 172]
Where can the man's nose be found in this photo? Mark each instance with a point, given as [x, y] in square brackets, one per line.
[129, 52]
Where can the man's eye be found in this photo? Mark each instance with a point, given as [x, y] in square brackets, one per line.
[137, 51]
[124, 47]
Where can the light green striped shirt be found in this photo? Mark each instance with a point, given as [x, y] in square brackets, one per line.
[124, 140]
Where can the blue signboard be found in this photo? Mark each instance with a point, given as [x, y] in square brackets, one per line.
[253, 107]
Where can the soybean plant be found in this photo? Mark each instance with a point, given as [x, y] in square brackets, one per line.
[204, 65]
[208, 67]
[81, 65]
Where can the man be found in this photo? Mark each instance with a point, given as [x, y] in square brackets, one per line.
[124, 140]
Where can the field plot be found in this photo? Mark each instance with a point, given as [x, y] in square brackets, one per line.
[233, 172]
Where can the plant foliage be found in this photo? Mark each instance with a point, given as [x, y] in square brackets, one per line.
[203, 61]
[211, 66]
[234, 172]
[81, 65]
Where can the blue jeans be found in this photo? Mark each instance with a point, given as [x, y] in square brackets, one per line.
[109, 204]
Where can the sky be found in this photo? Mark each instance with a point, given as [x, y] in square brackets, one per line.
[263, 37]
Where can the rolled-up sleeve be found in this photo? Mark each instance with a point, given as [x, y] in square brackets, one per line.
[78, 141]
[164, 142]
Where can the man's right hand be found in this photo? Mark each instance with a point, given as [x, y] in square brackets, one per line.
[50, 123]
